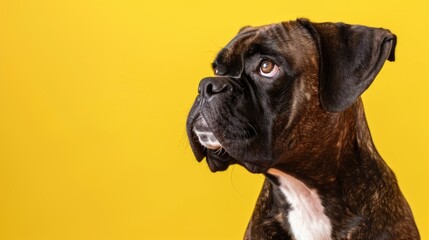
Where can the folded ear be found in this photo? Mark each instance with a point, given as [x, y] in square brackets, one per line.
[351, 56]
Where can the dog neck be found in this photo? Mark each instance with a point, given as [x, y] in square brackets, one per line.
[340, 181]
[343, 140]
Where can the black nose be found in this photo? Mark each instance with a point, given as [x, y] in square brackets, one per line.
[213, 85]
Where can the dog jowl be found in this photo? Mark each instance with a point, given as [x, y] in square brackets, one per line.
[284, 101]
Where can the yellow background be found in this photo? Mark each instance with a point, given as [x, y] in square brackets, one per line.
[93, 101]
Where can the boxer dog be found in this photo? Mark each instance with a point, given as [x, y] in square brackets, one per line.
[285, 102]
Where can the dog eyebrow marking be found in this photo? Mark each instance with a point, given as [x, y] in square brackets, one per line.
[306, 217]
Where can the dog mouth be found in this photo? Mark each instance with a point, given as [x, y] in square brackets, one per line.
[205, 144]
[224, 131]
[205, 136]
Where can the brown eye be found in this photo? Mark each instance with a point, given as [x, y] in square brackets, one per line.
[268, 69]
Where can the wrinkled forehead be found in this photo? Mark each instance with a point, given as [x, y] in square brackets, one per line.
[267, 39]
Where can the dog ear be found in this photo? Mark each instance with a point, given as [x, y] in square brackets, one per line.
[351, 56]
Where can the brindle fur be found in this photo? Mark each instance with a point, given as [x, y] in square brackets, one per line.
[307, 123]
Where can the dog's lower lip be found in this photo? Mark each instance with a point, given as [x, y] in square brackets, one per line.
[214, 147]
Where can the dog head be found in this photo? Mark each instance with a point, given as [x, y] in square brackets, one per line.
[278, 87]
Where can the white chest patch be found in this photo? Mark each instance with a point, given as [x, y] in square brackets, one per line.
[306, 217]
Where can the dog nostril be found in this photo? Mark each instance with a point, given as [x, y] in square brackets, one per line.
[212, 86]
[209, 88]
